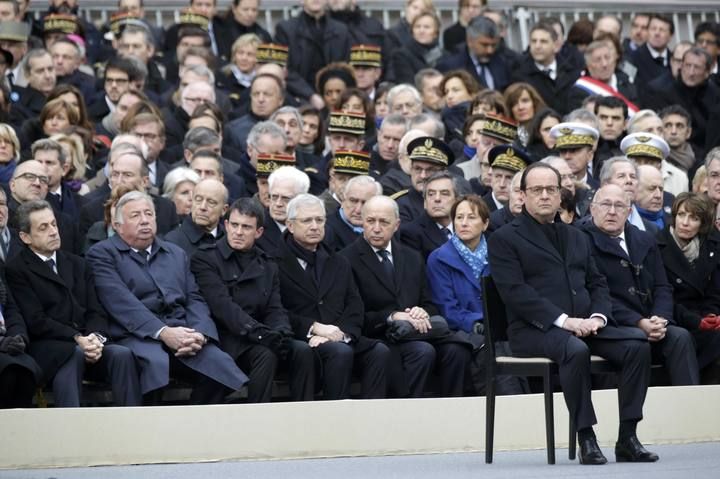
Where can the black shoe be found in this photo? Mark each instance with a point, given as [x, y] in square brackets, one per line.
[630, 450]
[590, 452]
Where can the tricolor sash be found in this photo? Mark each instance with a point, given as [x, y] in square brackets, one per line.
[596, 87]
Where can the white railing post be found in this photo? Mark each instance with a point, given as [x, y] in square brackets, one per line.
[523, 16]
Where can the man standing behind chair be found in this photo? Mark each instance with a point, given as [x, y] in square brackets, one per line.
[146, 286]
[68, 328]
[242, 288]
[559, 307]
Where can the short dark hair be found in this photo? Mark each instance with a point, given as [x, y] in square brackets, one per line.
[535, 166]
[22, 215]
[567, 200]
[708, 27]
[665, 19]
[676, 110]
[442, 175]
[205, 153]
[248, 207]
[611, 102]
[546, 27]
[476, 202]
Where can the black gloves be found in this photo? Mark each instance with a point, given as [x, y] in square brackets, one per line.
[12, 345]
[277, 341]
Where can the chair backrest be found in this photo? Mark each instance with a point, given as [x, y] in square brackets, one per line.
[495, 320]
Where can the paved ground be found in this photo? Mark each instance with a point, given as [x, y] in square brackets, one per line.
[696, 461]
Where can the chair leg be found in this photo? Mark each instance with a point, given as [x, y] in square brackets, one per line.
[549, 417]
[489, 418]
[572, 442]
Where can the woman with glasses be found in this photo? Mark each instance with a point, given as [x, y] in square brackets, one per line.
[690, 249]
[9, 152]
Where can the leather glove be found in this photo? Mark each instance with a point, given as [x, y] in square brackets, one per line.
[710, 322]
[12, 345]
[257, 333]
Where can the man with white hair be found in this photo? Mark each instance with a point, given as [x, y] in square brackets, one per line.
[324, 306]
[649, 199]
[284, 184]
[146, 287]
[177, 118]
[344, 226]
[404, 99]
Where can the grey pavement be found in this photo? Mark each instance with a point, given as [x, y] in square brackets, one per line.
[696, 461]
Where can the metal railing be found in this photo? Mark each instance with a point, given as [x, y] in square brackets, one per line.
[521, 14]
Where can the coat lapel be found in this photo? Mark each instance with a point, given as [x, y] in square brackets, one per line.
[372, 262]
[532, 233]
[36, 265]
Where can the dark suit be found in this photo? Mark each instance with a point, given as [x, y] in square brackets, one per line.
[68, 202]
[382, 296]
[490, 202]
[554, 92]
[58, 306]
[190, 236]
[647, 68]
[271, 241]
[500, 67]
[639, 289]
[335, 300]
[26, 103]
[142, 297]
[242, 290]
[499, 218]
[423, 235]
[411, 205]
[338, 234]
[696, 290]
[539, 282]
[70, 238]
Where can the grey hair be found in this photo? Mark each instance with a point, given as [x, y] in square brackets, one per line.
[203, 71]
[362, 180]
[409, 136]
[121, 149]
[300, 178]
[140, 29]
[31, 55]
[394, 119]
[127, 198]
[383, 199]
[198, 137]
[596, 45]
[46, 144]
[553, 159]
[699, 52]
[481, 26]
[176, 176]
[608, 165]
[439, 131]
[402, 88]
[639, 116]
[266, 128]
[711, 156]
[583, 116]
[301, 200]
[421, 75]
[288, 109]
[22, 216]
[199, 84]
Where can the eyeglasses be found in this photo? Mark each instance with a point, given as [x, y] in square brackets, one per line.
[538, 190]
[319, 220]
[607, 206]
[32, 178]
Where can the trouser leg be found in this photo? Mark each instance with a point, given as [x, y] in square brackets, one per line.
[261, 363]
[373, 365]
[67, 383]
[118, 365]
[337, 365]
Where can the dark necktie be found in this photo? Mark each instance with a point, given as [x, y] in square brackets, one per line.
[11, 78]
[548, 72]
[446, 232]
[485, 75]
[144, 254]
[386, 263]
[51, 264]
[660, 61]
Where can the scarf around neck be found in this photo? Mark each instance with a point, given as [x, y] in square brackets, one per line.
[691, 251]
[477, 260]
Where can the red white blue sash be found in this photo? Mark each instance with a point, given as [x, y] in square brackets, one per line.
[596, 87]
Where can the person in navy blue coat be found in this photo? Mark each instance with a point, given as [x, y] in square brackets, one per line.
[639, 291]
[558, 306]
[156, 308]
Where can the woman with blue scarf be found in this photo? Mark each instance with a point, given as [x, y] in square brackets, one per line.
[454, 270]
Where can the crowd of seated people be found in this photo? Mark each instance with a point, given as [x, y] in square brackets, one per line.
[215, 206]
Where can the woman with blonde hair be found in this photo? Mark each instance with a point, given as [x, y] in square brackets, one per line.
[9, 152]
[239, 73]
[74, 150]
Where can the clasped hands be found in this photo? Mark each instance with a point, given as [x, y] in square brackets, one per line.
[710, 322]
[583, 327]
[417, 316]
[92, 347]
[322, 333]
[655, 327]
[184, 341]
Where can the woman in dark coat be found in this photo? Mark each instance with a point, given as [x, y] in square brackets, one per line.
[422, 51]
[690, 249]
[19, 374]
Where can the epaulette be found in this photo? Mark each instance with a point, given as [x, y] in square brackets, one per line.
[399, 194]
[311, 169]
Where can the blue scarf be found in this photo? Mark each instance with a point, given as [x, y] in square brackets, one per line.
[469, 151]
[7, 171]
[356, 229]
[477, 260]
[657, 217]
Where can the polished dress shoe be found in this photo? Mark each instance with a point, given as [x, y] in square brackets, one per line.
[590, 452]
[630, 450]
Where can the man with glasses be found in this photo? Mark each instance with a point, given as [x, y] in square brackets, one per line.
[30, 182]
[639, 290]
[151, 130]
[284, 184]
[558, 307]
[118, 72]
